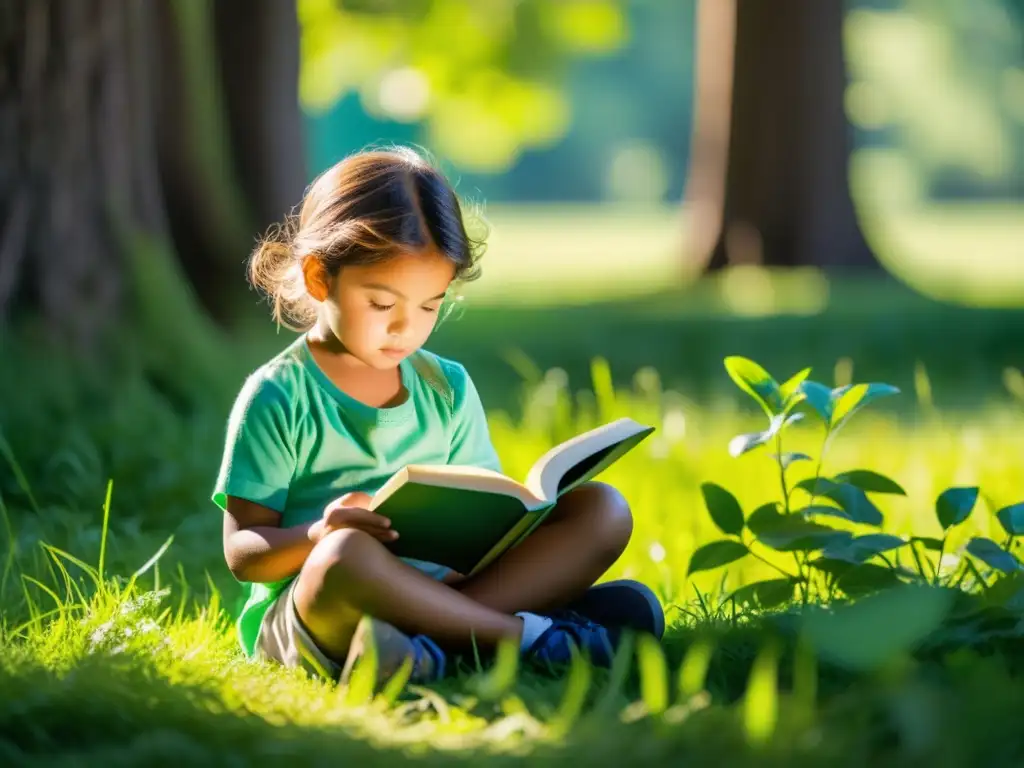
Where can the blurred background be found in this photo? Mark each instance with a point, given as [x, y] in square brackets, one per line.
[663, 184]
[807, 183]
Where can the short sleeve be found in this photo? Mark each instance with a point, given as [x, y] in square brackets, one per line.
[259, 450]
[471, 440]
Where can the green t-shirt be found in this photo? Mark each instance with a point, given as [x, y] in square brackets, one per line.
[295, 442]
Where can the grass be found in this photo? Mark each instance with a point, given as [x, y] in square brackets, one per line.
[959, 252]
[105, 669]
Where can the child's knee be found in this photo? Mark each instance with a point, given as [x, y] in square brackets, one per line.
[608, 516]
[343, 556]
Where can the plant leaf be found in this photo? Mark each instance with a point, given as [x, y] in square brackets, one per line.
[847, 401]
[790, 533]
[825, 509]
[715, 555]
[865, 578]
[756, 382]
[866, 634]
[764, 594]
[788, 459]
[870, 482]
[993, 555]
[1007, 591]
[724, 509]
[862, 548]
[1012, 519]
[820, 398]
[743, 443]
[791, 392]
[954, 505]
[852, 500]
[930, 543]
[871, 544]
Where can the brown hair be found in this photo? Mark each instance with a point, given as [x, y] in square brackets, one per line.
[363, 210]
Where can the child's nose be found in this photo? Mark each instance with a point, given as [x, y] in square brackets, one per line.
[399, 322]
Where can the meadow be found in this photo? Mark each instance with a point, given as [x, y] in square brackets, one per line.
[116, 638]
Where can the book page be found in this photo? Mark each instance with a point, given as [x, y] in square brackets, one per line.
[458, 477]
[587, 454]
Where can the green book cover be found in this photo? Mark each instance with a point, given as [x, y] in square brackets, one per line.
[465, 517]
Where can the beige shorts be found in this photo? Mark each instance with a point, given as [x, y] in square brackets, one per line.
[283, 638]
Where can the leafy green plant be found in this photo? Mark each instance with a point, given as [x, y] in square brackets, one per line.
[830, 524]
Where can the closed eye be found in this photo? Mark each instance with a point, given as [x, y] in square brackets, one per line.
[380, 307]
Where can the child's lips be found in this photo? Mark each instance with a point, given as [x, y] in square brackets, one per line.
[397, 353]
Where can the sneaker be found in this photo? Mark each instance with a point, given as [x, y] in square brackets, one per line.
[428, 660]
[554, 645]
[623, 604]
[393, 648]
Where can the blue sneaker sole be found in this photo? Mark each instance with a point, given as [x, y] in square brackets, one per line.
[623, 603]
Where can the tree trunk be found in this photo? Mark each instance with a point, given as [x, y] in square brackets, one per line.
[73, 151]
[259, 58]
[771, 141]
[119, 196]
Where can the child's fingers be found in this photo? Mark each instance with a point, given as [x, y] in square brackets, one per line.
[363, 519]
[353, 499]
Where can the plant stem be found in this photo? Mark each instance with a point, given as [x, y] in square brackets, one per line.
[821, 461]
[963, 575]
[756, 556]
[917, 559]
[977, 574]
[782, 470]
[938, 565]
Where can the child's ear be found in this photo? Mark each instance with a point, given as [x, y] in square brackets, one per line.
[318, 284]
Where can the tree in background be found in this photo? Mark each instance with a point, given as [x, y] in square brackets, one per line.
[145, 145]
[771, 143]
[130, 187]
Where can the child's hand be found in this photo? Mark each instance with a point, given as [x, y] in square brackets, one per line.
[350, 511]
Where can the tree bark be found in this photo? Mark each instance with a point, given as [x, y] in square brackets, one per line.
[771, 141]
[72, 150]
[84, 247]
[259, 58]
[120, 194]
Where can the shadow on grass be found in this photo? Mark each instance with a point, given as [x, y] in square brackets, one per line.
[885, 331]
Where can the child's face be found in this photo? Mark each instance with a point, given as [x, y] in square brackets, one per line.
[384, 312]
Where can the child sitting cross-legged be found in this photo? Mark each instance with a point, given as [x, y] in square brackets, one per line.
[362, 272]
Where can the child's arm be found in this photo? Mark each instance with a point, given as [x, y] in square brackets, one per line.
[258, 549]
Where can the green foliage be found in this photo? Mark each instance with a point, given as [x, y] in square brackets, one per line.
[813, 654]
[829, 559]
[484, 78]
[872, 631]
[724, 509]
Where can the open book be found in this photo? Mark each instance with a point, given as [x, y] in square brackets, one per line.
[465, 517]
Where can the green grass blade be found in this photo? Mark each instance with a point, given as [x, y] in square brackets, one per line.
[617, 676]
[105, 529]
[19, 476]
[761, 703]
[12, 548]
[86, 568]
[574, 697]
[653, 674]
[694, 669]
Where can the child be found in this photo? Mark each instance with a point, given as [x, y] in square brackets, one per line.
[363, 271]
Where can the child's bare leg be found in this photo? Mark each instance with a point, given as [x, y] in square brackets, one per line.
[580, 540]
[350, 573]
